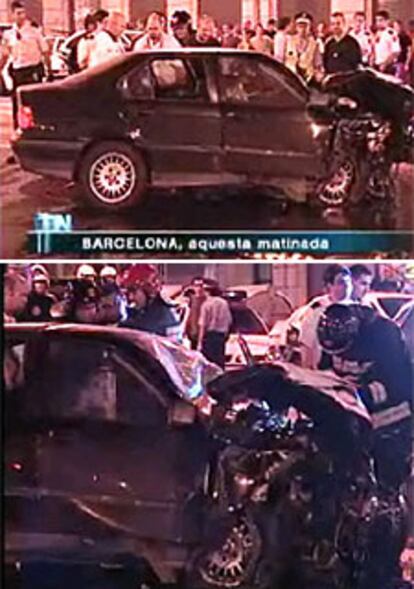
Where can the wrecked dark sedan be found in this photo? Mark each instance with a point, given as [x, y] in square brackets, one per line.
[122, 471]
[210, 117]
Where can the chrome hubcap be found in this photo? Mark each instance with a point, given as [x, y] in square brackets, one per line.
[229, 566]
[112, 177]
[336, 190]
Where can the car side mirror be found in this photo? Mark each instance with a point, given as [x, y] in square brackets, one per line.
[181, 414]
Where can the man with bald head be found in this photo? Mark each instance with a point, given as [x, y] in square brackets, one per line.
[107, 42]
[155, 36]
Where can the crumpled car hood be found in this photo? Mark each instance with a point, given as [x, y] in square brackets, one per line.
[284, 384]
[374, 92]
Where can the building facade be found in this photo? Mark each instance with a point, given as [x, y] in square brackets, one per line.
[58, 16]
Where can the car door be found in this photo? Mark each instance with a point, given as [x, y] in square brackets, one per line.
[96, 439]
[173, 113]
[266, 131]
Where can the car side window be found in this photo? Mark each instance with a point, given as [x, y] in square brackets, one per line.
[139, 83]
[179, 78]
[78, 378]
[252, 81]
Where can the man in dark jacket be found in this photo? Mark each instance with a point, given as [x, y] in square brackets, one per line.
[40, 301]
[342, 52]
[369, 350]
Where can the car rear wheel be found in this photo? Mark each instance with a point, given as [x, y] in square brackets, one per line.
[113, 176]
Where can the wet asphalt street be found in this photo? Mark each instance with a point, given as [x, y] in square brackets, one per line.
[23, 194]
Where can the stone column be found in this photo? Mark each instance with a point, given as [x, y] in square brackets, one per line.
[250, 11]
[56, 18]
[123, 6]
[291, 279]
[348, 7]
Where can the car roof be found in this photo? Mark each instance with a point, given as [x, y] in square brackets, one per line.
[188, 371]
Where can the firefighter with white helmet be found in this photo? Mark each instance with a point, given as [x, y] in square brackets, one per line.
[86, 272]
[40, 301]
[110, 295]
[108, 273]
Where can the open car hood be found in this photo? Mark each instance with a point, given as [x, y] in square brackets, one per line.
[320, 395]
[374, 92]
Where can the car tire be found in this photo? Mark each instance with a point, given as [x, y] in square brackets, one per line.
[343, 186]
[233, 561]
[113, 176]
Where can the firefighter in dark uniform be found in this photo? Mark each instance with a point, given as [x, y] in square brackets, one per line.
[147, 309]
[40, 302]
[369, 351]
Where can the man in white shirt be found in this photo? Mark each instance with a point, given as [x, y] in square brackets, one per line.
[363, 36]
[25, 49]
[280, 38]
[338, 286]
[386, 43]
[155, 37]
[214, 326]
[107, 43]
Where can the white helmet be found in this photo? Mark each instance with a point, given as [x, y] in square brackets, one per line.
[38, 269]
[108, 271]
[85, 271]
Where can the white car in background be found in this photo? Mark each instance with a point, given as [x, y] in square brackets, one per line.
[387, 304]
[248, 329]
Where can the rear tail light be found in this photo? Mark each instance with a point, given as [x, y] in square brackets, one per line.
[25, 117]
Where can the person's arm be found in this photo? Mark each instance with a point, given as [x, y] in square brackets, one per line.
[202, 322]
[44, 49]
[356, 53]
[83, 53]
[325, 56]
[5, 51]
[395, 50]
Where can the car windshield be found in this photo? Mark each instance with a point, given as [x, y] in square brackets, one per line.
[392, 305]
[246, 322]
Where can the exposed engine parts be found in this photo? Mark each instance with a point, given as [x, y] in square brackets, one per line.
[293, 509]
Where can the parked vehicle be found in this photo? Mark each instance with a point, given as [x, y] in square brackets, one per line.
[113, 477]
[212, 117]
[247, 328]
[58, 65]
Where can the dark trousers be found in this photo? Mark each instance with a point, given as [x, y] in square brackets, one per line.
[32, 74]
[213, 347]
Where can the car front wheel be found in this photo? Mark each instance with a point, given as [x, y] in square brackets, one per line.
[231, 561]
[113, 176]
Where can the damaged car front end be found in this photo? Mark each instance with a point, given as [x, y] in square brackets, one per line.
[371, 118]
[130, 460]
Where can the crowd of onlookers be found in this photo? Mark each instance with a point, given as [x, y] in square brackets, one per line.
[130, 298]
[309, 48]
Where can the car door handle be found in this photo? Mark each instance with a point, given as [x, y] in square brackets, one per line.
[233, 115]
